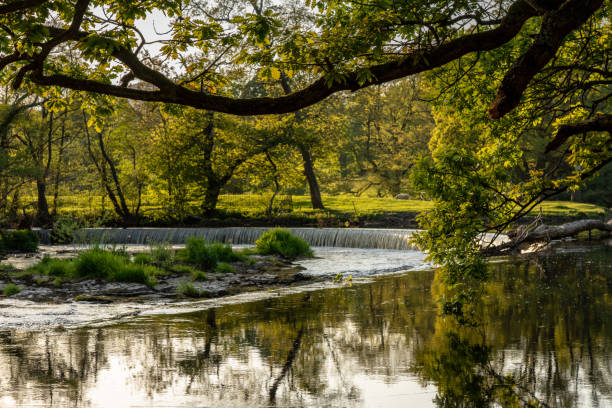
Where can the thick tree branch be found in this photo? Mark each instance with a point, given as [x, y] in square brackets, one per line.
[416, 62]
[19, 6]
[556, 25]
[599, 123]
[547, 233]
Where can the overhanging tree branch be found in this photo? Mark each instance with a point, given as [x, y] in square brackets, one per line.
[418, 61]
[599, 123]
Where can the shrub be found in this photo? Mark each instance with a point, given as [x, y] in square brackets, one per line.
[135, 273]
[143, 259]
[199, 275]
[162, 255]
[63, 230]
[187, 289]
[97, 263]
[20, 240]
[11, 289]
[200, 253]
[61, 268]
[225, 253]
[223, 267]
[279, 241]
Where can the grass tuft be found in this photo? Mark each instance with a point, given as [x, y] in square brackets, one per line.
[188, 290]
[279, 241]
[11, 289]
[97, 263]
[224, 267]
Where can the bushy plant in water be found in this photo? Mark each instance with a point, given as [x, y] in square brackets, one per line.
[19, 240]
[279, 241]
[200, 253]
[97, 263]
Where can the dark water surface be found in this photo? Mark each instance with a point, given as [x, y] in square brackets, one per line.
[544, 338]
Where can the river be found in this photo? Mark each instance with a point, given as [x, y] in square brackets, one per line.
[376, 340]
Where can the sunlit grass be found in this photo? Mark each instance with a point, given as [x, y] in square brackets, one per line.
[254, 205]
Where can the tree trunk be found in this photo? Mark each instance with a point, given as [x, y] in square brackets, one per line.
[547, 233]
[42, 209]
[313, 184]
[211, 197]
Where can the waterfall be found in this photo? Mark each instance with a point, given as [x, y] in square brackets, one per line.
[328, 237]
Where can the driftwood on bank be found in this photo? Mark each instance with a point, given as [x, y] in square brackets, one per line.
[546, 233]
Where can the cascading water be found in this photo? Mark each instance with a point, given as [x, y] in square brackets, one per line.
[319, 237]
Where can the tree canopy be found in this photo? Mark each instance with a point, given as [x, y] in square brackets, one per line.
[96, 46]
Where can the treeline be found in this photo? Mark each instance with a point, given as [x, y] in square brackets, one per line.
[60, 152]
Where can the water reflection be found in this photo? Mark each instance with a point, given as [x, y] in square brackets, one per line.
[544, 340]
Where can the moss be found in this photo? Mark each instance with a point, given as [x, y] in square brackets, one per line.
[279, 241]
[93, 298]
[11, 289]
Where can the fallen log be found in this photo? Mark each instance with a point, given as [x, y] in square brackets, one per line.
[546, 233]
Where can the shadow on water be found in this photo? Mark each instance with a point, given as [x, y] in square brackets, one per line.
[543, 341]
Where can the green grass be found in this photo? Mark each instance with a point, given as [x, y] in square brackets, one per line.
[207, 255]
[143, 258]
[188, 290]
[254, 205]
[279, 241]
[11, 289]
[19, 240]
[96, 263]
[224, 267]
[569, 208]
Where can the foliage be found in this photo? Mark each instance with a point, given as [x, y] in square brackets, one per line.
[279, 241]
[224, 267]
[63, 230]
[188, 290]
[199, 275]
[11, 289]
[19, 240]
[142, 258]
[207, 255]
[483, 176]
[97, 263]
[162, 255]
[200, 253]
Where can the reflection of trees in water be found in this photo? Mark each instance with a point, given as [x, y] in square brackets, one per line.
[543, 334]
[49, 362]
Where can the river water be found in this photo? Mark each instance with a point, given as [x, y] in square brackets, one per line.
[377, 340]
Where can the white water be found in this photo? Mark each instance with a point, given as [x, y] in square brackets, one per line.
[319, 237]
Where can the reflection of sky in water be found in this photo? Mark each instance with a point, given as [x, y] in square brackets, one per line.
[366, 345]
[361, 346]
[359, 262]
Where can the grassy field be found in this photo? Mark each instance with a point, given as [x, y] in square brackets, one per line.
[254, 205]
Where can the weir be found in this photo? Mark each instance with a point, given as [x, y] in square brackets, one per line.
[320, 237]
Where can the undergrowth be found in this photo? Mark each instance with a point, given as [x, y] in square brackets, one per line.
[97, 263]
